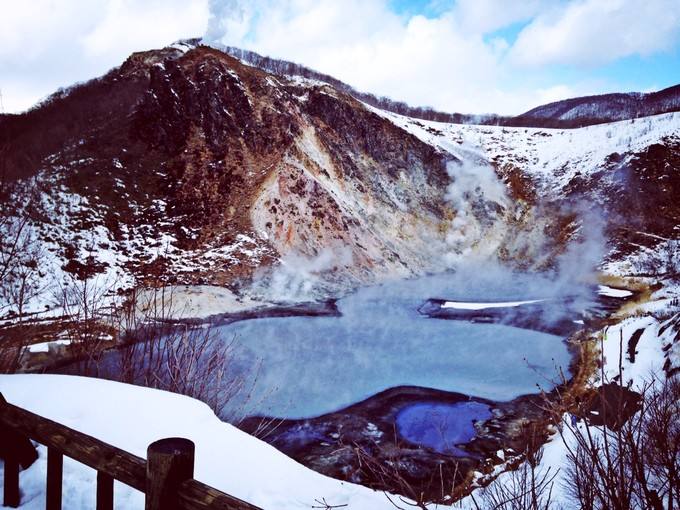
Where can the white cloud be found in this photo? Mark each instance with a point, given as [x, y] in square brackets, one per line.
[152, 24]
[484, 16]
[554, 93]
[418, 60]
[454, 61]
[589, 32]
[47, 44]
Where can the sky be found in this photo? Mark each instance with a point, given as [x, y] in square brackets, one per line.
[468, 56]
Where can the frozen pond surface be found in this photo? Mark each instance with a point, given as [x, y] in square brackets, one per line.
[309, 366]
[441, 426]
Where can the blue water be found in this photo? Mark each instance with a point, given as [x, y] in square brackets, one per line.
[301, 367]
[441, 426]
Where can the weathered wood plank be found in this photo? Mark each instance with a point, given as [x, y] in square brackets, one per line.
[55, 472]
[195, 495]
[14, 445]
[117, 463]
[104, 491]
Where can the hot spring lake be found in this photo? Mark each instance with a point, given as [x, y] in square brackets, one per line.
[302, 367]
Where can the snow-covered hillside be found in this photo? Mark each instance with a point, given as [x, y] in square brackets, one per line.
[618, 180]
[553, 157]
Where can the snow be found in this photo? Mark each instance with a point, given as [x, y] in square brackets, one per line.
[553, 157]
[604, 290]
[45, 346]
[462, 305]
[194, 301]
[649, 354]
[132, 417]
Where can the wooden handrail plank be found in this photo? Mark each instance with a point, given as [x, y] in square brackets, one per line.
[117, 463]
[195, 495]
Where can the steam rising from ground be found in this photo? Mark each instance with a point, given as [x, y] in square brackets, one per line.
[480, 202]
[299, 277]
[565, 242]
[489, 231]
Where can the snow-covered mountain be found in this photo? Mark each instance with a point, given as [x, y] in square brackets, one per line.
[588, 110]
[187, 165]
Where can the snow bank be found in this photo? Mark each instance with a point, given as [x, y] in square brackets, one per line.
[604, 290]
[194, 301]
[131, 417]
[460, 305]
[45, 346]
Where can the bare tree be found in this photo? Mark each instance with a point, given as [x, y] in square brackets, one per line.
[20, 276]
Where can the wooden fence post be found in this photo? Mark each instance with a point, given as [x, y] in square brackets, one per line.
[11, 497]
[104, 491]
[55, 470]
[15, 450]
[169, 462]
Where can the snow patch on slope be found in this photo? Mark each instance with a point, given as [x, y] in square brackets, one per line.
[553, 156]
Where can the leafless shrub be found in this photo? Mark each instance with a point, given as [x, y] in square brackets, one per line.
[85, 306]
[20, 277]
[406, 484]
[158, 352]
[529, 486]
[634, 466]
[622, 454]
[627, 464]
[391, 475]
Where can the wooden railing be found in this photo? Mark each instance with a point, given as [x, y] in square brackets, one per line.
[166, 477]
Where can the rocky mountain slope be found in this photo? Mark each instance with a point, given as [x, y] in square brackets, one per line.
[620, 178]
[194, 167]
[187, 165]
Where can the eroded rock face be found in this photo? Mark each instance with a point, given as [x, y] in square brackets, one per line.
[205, 149]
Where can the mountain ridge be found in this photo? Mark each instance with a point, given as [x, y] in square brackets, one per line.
[597, 106]
[567, 113]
